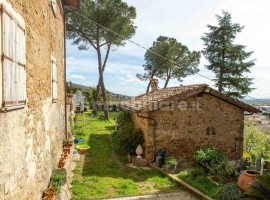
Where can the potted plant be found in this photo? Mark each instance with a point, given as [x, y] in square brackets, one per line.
[246, 179]
[49, 194]
[62, 162]
[171, 164]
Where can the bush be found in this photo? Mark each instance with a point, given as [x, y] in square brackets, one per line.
[230, 192]
[222, 172]
[170, 160]
[194, 172]
[127, 136]
[208, 157]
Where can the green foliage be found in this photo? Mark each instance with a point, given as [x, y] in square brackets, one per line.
[208, 156]
[256, 143]
[86, 29]
[226, 59]
[260, 189]
[170, 49]
[58, 179]
[196, 171]
[102, 175]
[170, 160]
[222, 172]
[127, 136]
[201, 182]
[230, 192]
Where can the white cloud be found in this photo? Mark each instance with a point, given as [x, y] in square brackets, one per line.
[185, 20]
[74, 76]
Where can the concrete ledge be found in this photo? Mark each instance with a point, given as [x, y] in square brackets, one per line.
[183, 184]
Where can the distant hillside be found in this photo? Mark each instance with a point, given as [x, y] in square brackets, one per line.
[258, 102]
[83, 87]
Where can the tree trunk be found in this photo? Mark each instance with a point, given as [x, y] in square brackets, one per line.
[101, 83]
[94, 112]
[104, 96]
[166, 82]
[148, 87]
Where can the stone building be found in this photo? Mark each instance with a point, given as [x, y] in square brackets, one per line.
[32, 94]
[181, 119]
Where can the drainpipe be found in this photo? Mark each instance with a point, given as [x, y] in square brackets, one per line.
[65, 77]
[154, 134]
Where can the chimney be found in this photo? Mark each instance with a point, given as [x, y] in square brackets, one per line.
[154, 84]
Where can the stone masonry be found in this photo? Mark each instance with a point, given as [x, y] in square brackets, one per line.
[31, 138]
[195, 122]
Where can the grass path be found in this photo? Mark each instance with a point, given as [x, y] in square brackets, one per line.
[102, 174]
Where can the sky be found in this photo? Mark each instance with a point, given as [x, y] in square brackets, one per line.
[185, 20]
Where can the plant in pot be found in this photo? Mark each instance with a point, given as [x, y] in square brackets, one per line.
[171, 164]
[49, 194]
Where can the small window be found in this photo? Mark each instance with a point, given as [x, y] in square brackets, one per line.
[13, 62]
[54, 80]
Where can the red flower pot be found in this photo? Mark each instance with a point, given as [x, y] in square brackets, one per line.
[246, 179]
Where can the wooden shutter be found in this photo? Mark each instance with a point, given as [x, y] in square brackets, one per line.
[13, 61]
[54, 81]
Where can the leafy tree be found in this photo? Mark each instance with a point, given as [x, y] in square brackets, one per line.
[256, 143]
[175, 61]
[226, 59]
[89, 31]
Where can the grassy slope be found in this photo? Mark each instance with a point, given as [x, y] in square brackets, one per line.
[99, 175]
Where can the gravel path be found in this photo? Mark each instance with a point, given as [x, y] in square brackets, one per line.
[175, 195]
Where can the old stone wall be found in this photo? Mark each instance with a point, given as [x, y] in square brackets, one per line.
[196, 122]
[146, 125]
[31, 138]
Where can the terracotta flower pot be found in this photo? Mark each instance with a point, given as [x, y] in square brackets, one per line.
[68, 144]
[67, 150]
[49, 195]
[246, 179]
[62, 162]
[83, 151]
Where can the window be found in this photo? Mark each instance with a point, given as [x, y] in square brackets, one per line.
[13, 63]
[54, 80]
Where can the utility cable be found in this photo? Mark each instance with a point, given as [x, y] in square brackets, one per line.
[143, 47]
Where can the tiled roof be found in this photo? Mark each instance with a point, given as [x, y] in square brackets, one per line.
[149, 101]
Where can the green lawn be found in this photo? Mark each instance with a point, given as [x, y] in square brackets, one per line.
[100, 174]
[200, 182]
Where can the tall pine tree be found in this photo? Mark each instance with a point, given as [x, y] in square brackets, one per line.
[226, 59]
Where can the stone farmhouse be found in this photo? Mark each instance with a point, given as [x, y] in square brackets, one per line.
[32, 94]
[182, 119]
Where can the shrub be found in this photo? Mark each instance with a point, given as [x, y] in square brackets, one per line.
[194, 172]
[127, 136]
[208, 156]
[170, 160]
[222, 172]
[230, 192]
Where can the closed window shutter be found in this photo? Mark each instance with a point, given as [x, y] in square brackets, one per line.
[54, 81]
[13, 62]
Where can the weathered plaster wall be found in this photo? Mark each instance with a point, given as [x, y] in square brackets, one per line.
[31, 138]
[197, 122]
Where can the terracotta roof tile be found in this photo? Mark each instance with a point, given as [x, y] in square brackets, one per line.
[149, 101]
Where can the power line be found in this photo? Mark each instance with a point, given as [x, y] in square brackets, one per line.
[143, 47]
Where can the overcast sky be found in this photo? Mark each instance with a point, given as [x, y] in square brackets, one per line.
[186, 21]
